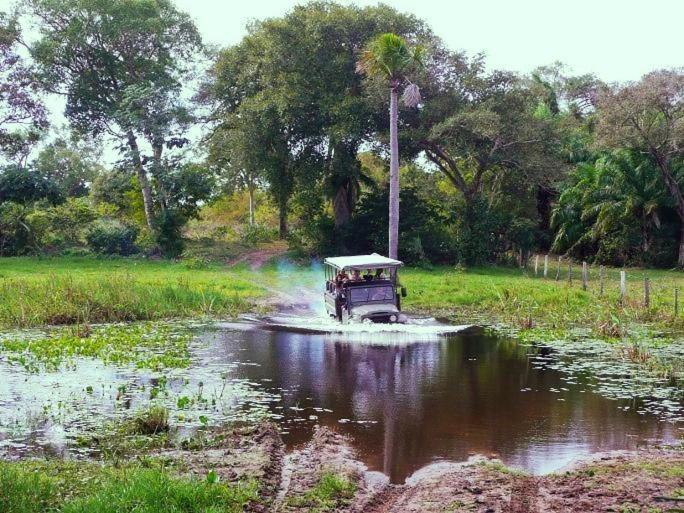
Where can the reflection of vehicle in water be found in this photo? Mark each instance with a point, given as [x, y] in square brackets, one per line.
[369, 297]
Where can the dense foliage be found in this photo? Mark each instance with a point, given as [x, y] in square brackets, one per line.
[295, 141]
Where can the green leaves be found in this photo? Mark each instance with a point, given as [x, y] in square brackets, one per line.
[389, 56]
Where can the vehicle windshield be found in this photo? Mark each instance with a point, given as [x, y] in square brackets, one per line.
[365, 294]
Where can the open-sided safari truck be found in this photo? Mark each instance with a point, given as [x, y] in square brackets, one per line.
[363, 288]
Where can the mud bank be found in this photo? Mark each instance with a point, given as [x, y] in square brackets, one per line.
[650, 480]
[324, 475]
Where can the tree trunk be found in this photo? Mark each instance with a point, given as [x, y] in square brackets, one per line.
[157, 150]
[341, 207]
[394, 175]
[142, 179]
[250, 191]
[282, 220]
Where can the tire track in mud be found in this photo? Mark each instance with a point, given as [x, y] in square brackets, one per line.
[607, 482]
[644, 479]
[524, 496]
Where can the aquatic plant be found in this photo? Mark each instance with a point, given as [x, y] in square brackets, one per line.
[152, 421]
[148, 346]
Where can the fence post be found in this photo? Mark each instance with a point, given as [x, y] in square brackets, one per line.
[546, 265]
[647, 292]
[558, 269]
[570, 272]
[623, 286]
[536, 265]
[585, 276]
[601, 277]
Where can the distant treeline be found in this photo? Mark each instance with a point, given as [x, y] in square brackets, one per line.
[495, 165]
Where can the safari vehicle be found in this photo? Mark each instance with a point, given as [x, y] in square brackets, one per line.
[363, 288]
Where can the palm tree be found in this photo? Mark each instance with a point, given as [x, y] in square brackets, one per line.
[390, 58]
[628, 188]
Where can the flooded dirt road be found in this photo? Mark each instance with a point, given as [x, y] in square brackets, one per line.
[405, 396]
[409, 404]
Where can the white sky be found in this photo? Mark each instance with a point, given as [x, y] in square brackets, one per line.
[617, 40]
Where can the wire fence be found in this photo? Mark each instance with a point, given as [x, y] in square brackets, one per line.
[655, 290]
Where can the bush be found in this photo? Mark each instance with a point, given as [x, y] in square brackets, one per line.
[146, 242]
[479, 231]
[15, 233]
[169, 236]
[62, 226]
[111, 237]
[259, 233]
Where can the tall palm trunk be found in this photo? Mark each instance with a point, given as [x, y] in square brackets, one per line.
[142, 179]
[394, 174]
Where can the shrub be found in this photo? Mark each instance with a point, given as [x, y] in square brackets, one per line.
[146, 242]
[169, 236]
[259, 233]
[111, 237]
[61, 226]
[15, 233]
[479, 231]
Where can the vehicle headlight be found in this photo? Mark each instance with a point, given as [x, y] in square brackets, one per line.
[393, 318]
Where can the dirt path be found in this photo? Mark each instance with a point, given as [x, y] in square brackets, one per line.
[260, 255]
[645, 481]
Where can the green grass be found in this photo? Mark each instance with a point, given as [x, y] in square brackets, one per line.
[78, 487]
[330, 493]
[507, 295]
[51, 291]
[42, 291]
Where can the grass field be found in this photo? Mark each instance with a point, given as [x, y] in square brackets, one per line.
[60, 486]
[518, 298]
[43, 291]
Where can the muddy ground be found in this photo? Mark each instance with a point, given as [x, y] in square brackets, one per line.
[648, 481]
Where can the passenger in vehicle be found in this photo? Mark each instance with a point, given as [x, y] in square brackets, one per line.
[380, 274]
[368, 276]
[356, 275]
[341, 278]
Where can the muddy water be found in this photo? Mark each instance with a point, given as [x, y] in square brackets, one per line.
[409, 404]
[406, 397]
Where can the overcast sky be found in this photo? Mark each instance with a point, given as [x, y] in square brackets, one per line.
[616, 39]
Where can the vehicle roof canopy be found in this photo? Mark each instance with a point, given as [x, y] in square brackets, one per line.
[361, 262]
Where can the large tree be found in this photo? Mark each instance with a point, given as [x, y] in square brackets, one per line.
[303, 66]
[649, 116]
[389, 56]
[22, 114]
[480, 128]
[120, 65]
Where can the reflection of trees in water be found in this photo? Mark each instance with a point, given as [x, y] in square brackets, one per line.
[445, 399]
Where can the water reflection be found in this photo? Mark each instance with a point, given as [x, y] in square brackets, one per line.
[410, 404]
